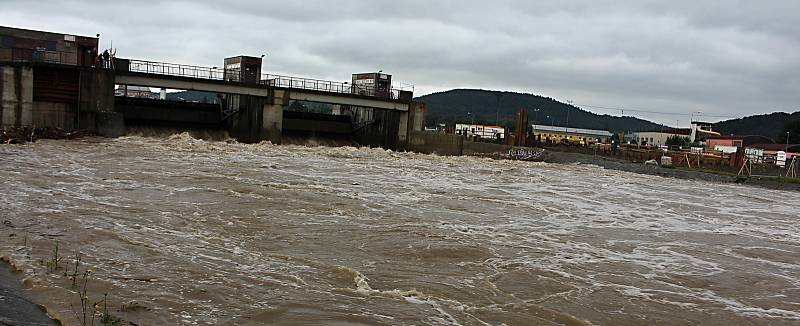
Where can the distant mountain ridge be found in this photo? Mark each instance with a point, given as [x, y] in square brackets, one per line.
[453, 106]
[460, 105]
[770, 125]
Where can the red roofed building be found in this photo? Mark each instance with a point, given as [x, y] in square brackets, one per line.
[736, 141]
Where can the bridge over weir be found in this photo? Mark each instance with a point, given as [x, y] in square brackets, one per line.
[65, 81]
[255, 111]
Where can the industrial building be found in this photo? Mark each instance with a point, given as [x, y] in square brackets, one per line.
[698, 131]
[736, 141]
[375, 84]
[557, 134]
[22, 45]
[243, 69]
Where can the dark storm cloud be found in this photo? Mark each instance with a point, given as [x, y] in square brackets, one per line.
[722, 58]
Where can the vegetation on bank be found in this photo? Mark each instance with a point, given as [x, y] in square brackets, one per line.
[91, 308]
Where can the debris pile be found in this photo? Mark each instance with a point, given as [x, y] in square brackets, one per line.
[19, 135]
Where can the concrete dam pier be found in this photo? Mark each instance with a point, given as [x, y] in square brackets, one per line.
[62, 81]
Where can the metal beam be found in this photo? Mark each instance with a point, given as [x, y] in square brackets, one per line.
[189, 85]
[299, 95]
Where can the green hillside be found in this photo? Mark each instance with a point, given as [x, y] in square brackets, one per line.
[453, 106]
[772, 125]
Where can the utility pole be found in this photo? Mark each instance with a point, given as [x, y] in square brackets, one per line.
[692, 119]
[787, 143]
[535, 121]
[499, 97]
[568, 109]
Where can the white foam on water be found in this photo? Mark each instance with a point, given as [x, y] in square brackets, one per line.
[266, 221]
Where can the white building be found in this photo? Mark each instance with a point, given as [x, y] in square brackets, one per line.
[556, 134]
[481, 131]
[659, 138]
[134, 91]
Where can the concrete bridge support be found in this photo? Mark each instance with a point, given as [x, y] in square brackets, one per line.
[272, 124]
[16, 87]
[96, 103]
[36, 96]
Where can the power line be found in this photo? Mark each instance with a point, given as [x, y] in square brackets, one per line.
[623, 109]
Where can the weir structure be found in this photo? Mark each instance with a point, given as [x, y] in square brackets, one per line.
[60, 80]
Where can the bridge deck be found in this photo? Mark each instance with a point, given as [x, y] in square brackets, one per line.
[212, 79]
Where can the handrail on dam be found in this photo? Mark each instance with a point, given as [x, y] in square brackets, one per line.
[174, 69]
[328, 86]
[232, 75]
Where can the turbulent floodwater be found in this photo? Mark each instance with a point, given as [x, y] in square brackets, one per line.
[199, 232]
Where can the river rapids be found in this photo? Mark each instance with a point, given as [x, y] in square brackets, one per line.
[178, 230]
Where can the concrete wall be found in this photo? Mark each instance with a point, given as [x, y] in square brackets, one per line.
[272, 117]
[97, 90]
[16, 87]
[96, 103]
[272, 124]
[449, 144]
[416, 117]
[57, 115]
[435, 143]
[402, 130]
[382, 131]
[247, 124]
[20, 110]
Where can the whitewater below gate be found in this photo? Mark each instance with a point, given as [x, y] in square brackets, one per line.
[180, 230]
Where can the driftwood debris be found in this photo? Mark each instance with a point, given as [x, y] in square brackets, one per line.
[20, 135]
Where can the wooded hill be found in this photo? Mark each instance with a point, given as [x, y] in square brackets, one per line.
[453, 106]
[773, 125]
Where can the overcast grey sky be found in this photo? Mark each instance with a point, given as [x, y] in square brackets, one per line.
[726, 58]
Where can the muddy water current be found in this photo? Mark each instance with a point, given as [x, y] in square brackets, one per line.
[185, 231]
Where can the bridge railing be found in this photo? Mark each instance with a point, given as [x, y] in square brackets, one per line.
[174, 69]
[217, 73]
[45, 56]
[328, 86]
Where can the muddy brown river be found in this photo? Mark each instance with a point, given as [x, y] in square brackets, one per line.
[185, 231]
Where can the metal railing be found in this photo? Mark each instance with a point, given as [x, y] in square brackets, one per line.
[233, 75]
[54, 57]
[306, 83]
[328, 86]
[180, 70]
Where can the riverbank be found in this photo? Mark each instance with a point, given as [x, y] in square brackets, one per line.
[15, 307]
[677, 172]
